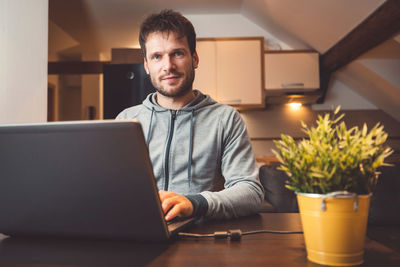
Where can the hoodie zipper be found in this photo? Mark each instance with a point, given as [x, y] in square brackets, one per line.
[171, 133]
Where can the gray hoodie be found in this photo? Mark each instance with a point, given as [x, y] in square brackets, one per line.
[201, 151]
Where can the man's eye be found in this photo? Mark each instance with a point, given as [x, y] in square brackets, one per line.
[156, 57]
[178, 53]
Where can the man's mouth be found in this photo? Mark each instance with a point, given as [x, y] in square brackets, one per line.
[170, 77]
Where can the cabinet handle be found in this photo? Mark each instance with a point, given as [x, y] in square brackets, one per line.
[231, 100]
[292, 84]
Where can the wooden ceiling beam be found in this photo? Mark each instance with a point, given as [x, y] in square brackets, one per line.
[378, 27]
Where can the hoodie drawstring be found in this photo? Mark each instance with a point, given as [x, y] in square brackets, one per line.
[149, 132]
[190, 160]
[190, 148]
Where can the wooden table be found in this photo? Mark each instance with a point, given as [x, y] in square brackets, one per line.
[252, 250]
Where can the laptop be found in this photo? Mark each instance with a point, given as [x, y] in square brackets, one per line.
[87, 179]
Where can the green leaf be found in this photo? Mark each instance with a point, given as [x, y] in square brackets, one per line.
[337, 110]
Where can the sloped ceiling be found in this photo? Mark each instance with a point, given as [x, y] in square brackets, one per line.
[99, 25]
[319, 24]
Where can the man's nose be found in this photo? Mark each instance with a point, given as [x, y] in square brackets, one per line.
[168, 64]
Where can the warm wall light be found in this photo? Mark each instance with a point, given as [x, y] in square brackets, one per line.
[295, 106]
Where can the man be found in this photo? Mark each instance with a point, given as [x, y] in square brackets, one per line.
[196, 146]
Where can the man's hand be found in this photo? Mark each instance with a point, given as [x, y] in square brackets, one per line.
[175, 205]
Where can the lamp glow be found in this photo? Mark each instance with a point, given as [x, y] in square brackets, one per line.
[295, 106]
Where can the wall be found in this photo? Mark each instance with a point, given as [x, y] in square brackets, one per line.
[341, 94]
[23, 61]
[372, 86]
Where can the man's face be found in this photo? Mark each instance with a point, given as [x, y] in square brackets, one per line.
[170, 64]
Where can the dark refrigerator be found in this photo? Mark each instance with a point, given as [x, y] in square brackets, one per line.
[124, 85]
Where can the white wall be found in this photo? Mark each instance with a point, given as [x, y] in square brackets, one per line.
[340, 94]
[387, 68]
[23, 60]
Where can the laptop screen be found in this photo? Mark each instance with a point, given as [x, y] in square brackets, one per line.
[83, 179]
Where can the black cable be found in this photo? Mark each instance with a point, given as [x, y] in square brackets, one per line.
[271, 232]
[181, 234]
[234, 235]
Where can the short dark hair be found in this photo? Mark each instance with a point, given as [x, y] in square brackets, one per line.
[165, 22]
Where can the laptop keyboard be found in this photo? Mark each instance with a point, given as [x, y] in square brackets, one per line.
[176, 220]
[178, 223]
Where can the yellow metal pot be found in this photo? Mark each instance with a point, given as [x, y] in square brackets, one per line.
[334, 227]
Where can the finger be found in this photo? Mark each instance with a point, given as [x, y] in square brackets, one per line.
[168, 203]
[172, 213]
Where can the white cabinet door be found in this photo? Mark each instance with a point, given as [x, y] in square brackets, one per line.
[239, 70]
[231, 70]
[291, 70]
[206, 74]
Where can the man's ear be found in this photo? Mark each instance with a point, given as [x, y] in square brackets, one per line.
[195, 60]
[146, 68]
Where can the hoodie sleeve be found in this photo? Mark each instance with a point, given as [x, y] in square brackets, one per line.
[243, 193]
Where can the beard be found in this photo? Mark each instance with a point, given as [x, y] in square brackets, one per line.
[184, 88]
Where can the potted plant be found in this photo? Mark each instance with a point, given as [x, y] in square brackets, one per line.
[333, 173]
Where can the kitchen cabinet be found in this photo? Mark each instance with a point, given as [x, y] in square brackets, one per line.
[291, 71]
[231, 70]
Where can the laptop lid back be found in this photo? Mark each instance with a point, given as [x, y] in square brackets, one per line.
[83, 179]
